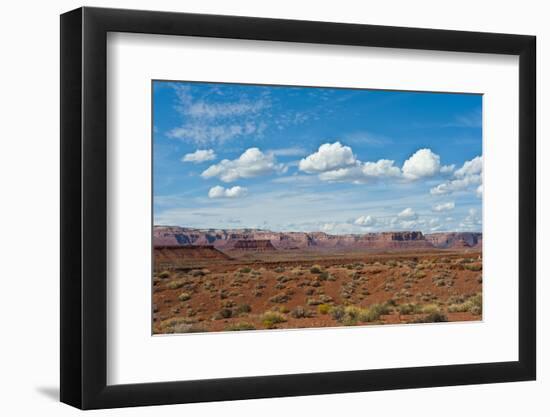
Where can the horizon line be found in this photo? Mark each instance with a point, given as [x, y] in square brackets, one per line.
[318, 231]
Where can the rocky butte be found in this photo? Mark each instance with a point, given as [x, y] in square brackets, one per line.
[264, 240]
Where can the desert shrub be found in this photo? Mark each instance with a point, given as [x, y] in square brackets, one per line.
[184, 296]
[430, 308]
[374, 312]
[244, 308]
[323, 308]
[473, 267]
[164, 274]
[419, 274]
[352, 315]
[316, 269]
[313, 302]
[178, 325]
[189, 328]
[455, 299]
[473, 305]
[240, 326]
[409, 308]
[245, 270]
[337, 312]
[325, 298]
[324, 276]
[279, 298]
[279, 269]
[315, 283]
[197, 273]
[271, 318]
[283, 278]
[466, 260]
[391, 263]
[224, 313]
[174, 285]
[301, 313]
[209, 285]
[435, 317]
[310, 291]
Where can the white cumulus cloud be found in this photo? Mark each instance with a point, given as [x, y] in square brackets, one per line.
[444, 206]
[252, 163]
[472, 167]
[330, 156]
[466, 177]
[381, 168]
[367, 221]
[479, 191]
[472, 221]
[447, 169]
[423, 163]
[408, 213]
[200, 155]
[221, 192]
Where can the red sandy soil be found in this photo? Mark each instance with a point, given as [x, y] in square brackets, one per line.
[215, 291]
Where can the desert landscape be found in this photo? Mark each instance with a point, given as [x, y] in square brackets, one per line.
[208, 280]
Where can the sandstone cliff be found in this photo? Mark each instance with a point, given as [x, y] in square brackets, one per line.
[255, 239]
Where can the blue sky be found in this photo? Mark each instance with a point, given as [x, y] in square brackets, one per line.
[315, 159]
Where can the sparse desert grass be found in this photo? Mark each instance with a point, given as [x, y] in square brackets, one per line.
[473, 305]
[184, 296]
[313, 302]
[164, 274]
[240, 326]
[419, 274]
[316, 269]
[323, 276]
[351, 315]
[301, 313]
[283, 279]
[374, 312]
[473, 267]
[430, 308]
[280, 298]
[176, 325]
[244, 308]
[435, 317]
[189, 328]
[176, 284]
[409, 308]
[224, 313]
[323, 308]
[232, 296]
[271, 318]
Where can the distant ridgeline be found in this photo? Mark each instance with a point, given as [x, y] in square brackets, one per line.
[262, 240]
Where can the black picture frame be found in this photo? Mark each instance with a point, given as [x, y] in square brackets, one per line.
[84, 207]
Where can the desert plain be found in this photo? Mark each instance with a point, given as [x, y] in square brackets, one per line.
[238, 280]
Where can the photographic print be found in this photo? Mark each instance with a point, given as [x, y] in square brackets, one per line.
[286, 207]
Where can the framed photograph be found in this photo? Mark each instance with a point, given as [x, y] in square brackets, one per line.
[257, 208]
